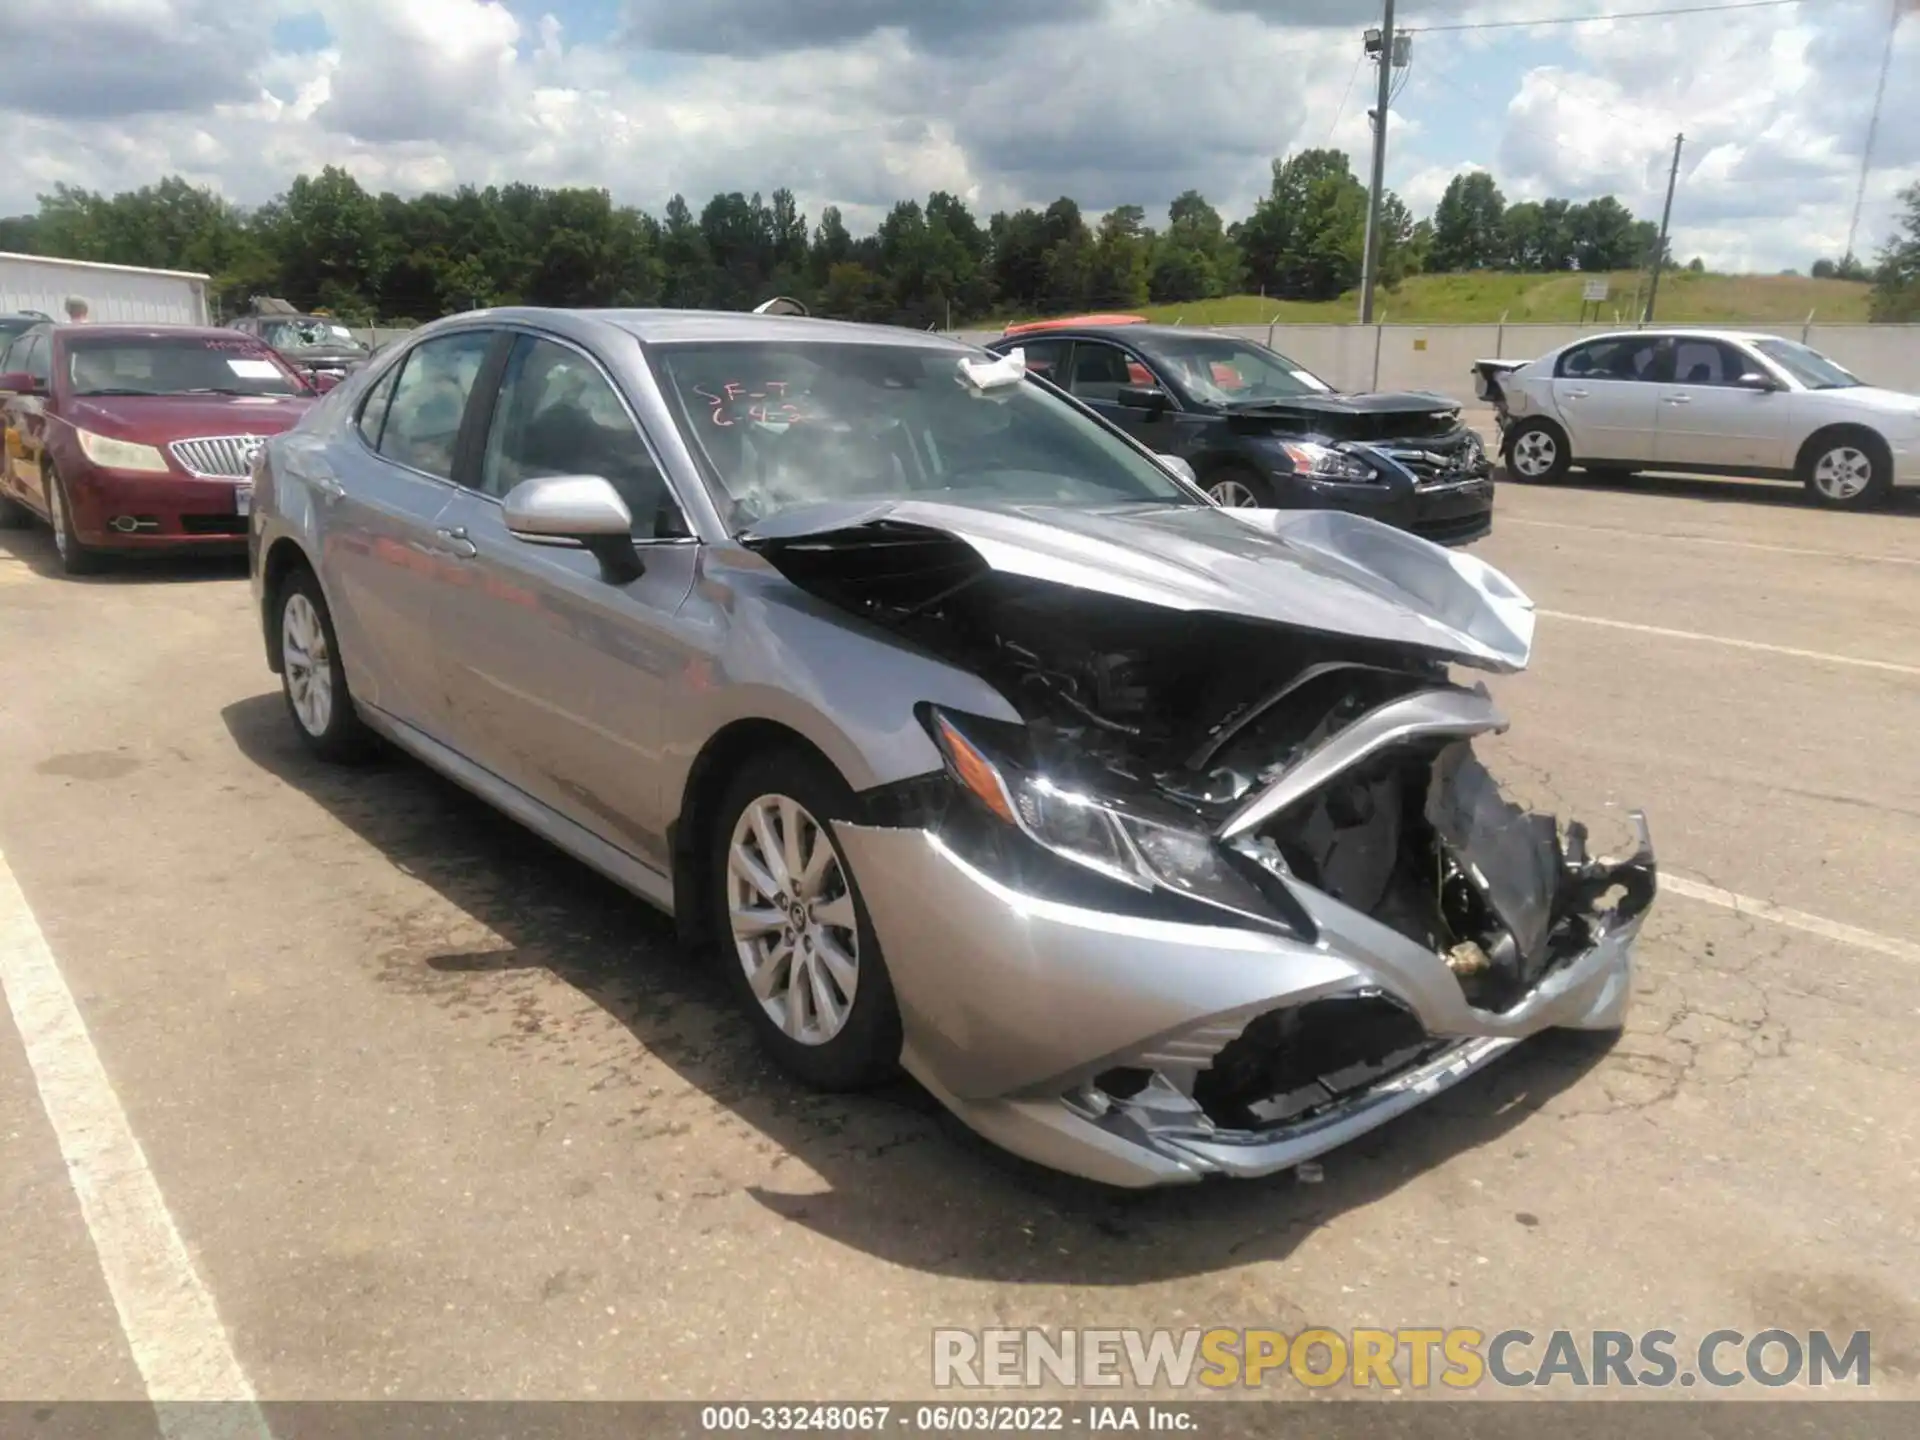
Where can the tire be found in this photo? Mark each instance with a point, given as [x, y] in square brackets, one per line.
[312, 680]
[1538, 452]
[75, 558]
[1249, 491]
[851, 1042]
[1847, 470]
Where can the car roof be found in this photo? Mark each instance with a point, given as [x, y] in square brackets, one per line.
[667, 327]
[1700, 332]
[147, 332]
[1146, 332]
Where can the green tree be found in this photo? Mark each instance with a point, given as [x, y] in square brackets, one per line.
[1122, 262]
[1896, 283]
[1194, 259]
[1469, 231]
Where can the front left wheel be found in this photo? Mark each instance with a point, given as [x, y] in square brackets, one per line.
[76, 558]
[797, 945]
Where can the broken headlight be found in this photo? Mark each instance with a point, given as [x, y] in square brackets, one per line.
[1326, 463]
[1146, 854]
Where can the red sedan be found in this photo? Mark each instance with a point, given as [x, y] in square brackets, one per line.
[138, 437]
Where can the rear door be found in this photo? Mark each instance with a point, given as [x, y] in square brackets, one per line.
[1708, 419]
[1607, 394]
[556, 677]
[386, 556]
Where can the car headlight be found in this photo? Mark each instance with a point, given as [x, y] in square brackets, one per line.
[121, 454]
[1132, 849]
[1327, 463]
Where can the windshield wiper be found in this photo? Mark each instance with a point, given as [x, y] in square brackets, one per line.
[224, 390]
[113, 390]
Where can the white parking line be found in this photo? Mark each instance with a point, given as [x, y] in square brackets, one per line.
[1666, 634]
[1793, 919]
[1714, 540]
[167, 1315]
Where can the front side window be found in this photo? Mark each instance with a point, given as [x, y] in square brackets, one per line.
[1808, 366]
[176, 365]
[430, 399]
[373, 409]
[1101, 371]
[785, 424]
[559, 415]
[1630, 358]
[1704, 362]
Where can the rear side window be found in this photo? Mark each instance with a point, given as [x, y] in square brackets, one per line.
[429, 400]
[1631, 357]
[1045, 357]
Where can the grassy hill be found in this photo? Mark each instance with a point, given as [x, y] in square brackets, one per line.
[1685, 299]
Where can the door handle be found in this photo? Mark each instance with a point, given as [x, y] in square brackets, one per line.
[1679, 400]
[455, 542]
[1577, 394]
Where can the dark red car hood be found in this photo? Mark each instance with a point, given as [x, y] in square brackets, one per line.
[157, 419]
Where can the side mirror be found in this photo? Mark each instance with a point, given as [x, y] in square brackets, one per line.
[1143, 397]
[19, 382]
[576, 512]
[1754, 380]
[1179, 467]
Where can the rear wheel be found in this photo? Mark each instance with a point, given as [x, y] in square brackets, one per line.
[1239, 488]
[1537, 452]
[311, 675]
[797, 945]
[1847, 470]
[75, 558]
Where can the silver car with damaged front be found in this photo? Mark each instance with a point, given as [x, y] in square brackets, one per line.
[965, 733]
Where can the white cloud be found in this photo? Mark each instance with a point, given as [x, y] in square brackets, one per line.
[862, 102]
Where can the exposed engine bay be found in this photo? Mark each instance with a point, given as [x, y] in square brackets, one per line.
[1186, 717]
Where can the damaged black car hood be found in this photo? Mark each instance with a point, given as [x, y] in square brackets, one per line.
[1352, 417]
[1317, 570]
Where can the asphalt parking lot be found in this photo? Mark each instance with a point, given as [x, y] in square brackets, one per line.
[437, 1113]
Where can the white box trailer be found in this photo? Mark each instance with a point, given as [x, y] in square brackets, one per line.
[115, 294]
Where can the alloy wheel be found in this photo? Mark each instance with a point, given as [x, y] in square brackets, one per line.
[1535, 453]
[308, 662]
[1233, 495]
[793, 920]
[1843, 473]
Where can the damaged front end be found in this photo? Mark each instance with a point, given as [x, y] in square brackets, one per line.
[1236, 890]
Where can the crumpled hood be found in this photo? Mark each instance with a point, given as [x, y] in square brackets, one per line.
[1321, 570]
[1373, 402]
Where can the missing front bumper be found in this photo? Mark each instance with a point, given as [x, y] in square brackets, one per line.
[1014, 1005]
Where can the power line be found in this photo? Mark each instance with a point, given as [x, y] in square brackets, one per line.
[1614, 15]
[1900, 8]
[1346, 95]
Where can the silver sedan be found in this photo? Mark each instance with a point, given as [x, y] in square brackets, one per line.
[966, 734]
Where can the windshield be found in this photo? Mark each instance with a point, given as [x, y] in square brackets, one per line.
[1809, 367]
[310, 332]
[176, 365]
[12, 325]
[781, 425]
[1224, 371]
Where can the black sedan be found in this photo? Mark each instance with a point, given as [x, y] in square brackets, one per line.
[1260, 430]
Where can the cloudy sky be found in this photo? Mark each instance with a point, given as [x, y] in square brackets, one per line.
[1008, 102]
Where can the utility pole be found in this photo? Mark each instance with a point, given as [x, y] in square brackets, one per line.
[1369, 266]
[1666, 215]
